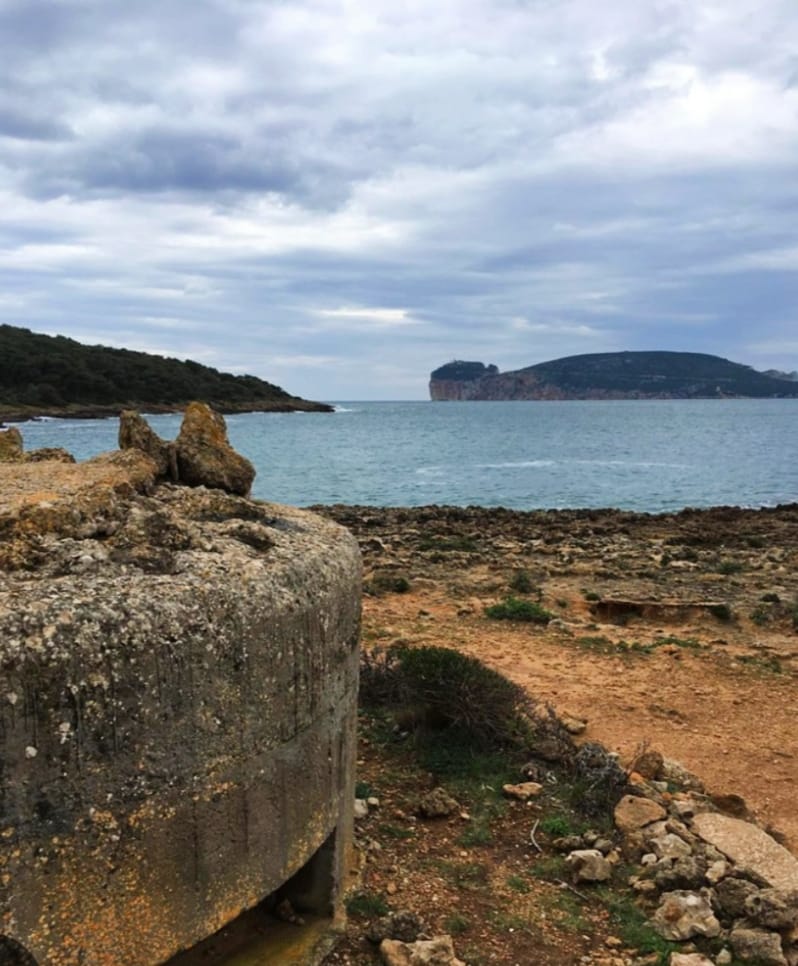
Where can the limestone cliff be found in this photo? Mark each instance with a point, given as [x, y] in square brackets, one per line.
[612, 375]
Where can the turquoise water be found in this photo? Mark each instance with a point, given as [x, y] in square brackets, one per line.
[640, 455]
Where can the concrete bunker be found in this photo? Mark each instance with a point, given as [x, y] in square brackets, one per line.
[287, 927]
[179, 685]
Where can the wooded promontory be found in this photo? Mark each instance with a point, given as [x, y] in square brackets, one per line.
[611, 375]
[42, 375]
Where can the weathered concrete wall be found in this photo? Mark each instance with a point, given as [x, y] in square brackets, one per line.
[177, 713]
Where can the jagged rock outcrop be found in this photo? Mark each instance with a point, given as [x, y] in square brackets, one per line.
[177, 710]
[205, 456]
[136, 433]
[200, 456]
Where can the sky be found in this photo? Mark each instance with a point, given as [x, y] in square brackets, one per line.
[341, 195]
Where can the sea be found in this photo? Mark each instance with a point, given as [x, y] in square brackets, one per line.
[650, 456]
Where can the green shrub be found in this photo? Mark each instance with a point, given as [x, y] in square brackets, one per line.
[521, 583]
[558, 826]
[513, 609]
[457, 924]
[366, 905]
[457, 692]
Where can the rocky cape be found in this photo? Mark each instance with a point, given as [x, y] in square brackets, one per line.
[611, 375]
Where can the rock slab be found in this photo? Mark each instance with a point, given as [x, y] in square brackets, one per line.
[750, 849]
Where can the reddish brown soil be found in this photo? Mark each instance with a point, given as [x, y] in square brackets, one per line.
[719, 696]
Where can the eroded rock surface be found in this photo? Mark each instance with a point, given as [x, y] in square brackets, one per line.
[205, 456]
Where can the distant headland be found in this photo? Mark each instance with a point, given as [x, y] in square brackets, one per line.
[42, 375]
[613, 375]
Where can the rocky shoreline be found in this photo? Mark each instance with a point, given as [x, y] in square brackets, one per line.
[22, 414]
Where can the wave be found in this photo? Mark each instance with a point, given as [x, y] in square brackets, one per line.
[520, 464]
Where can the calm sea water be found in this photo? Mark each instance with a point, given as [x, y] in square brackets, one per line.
[648, 455]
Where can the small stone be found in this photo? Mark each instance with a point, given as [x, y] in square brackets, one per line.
[670, 846]
[717, 871]
[373, 802]
[31, 752]
[589, 865]
[633, 813]
[361, 808]
[724, 958]
[286, 912]
[523, 791]
[572, 724]
[568, 843]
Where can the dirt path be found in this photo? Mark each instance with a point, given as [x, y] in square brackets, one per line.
[705, 670]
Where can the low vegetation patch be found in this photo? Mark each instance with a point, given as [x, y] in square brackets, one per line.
[515, 609]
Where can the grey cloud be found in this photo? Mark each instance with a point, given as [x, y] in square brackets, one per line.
[16, 123]
[243, 166]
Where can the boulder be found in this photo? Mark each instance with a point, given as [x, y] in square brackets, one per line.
[438, 951]
[438, 804]
[757, 946]
[750, 849]
[205, 456]
[682, 915]
[523, 791]
[11, 445]
[685, 873]
[136, 433]
[772, 908]
[589, 865]
[669, 846]
[633, 813]
[731, 895]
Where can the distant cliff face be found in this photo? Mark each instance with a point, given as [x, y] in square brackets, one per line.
[459, 380]
[611, 375]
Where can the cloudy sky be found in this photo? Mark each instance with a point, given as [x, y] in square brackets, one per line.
[340, 195]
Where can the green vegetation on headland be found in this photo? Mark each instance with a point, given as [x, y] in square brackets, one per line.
[612, 375]
[42, 375]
